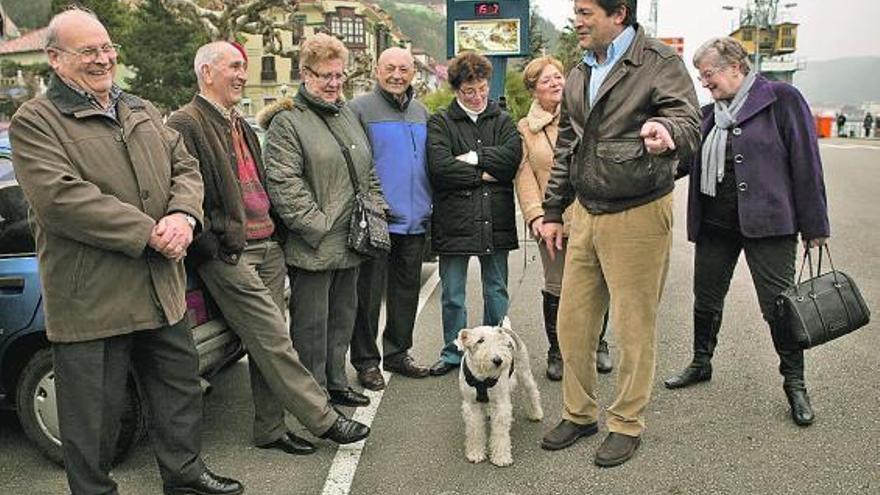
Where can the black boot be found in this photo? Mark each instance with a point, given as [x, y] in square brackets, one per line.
[791, 367]
[604, 363]
[554, 356]
[706, 326]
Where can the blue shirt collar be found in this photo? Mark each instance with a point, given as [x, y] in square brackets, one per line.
[615, 50]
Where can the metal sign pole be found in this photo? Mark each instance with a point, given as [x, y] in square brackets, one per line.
[499, 71]
[498, 29]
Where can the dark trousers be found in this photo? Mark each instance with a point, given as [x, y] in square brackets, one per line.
[251, 296]
[322, 308]
[90, 382]
[399, 276]
[771, 261]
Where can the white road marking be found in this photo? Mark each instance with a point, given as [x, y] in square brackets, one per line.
[850, 146]
[345, 463]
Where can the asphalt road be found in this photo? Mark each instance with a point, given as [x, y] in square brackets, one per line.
[732, 435]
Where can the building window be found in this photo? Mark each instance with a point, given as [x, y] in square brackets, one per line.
[267, 68]
[747, 34]
[294, 68]
[298, 29]
[351, 29]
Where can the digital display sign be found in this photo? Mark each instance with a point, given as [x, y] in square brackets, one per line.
[487, 9]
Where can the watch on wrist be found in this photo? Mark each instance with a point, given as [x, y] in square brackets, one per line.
[191, 220]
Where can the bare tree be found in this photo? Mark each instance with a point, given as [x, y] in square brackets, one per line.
[224, 19]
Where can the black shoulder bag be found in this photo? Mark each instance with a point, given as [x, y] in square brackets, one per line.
[822, 308]
[368, 227]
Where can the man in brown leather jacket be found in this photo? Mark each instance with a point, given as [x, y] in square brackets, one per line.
[629, 114]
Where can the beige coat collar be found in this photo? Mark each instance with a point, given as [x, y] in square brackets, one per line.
[538, 118]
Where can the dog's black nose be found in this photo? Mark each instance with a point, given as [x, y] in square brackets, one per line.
[497, 361]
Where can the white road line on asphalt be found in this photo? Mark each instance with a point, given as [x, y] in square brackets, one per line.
[850, 146]
[345, 463]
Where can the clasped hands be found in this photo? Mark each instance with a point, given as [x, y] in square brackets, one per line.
[171, 235]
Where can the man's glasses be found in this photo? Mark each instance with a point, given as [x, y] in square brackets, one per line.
[91, 53]
[329, 76]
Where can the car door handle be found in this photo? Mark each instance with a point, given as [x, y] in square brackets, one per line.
[11, 285]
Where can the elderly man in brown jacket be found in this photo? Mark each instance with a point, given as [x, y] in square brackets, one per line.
[240, 260]
[115, 198]
[629, 114]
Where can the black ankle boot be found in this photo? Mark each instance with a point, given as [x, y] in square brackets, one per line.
[801, 410]
[706, 326]
[554, 367]
[694, 373]
[554, 355]
[791, 367]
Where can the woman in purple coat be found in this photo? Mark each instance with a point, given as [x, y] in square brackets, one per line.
[756, 184]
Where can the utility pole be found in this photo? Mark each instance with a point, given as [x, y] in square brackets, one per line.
[652, 19]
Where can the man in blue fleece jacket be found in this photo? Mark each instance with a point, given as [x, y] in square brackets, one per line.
[396, 125]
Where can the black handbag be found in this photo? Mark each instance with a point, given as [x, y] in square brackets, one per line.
[822, 308]
[368, 227]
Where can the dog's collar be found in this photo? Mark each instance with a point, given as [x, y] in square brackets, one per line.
[482, 386]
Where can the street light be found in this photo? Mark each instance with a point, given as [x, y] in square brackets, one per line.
[729, 8]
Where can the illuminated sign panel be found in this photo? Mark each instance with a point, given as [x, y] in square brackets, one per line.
[497, 28]
[487, 9]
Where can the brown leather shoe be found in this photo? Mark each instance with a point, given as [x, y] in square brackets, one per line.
[371, 378]
[566, 433]
[616, 449]
[407, 367]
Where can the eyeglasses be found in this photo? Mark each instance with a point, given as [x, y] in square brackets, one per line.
[709, 73]
[328, 77]
[481, 90]
[90, 53]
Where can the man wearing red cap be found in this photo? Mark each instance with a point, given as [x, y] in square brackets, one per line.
[240, 261]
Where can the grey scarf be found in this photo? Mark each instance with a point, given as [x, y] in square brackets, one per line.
[715, 146]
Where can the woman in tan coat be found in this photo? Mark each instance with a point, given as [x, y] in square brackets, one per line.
[543, 78]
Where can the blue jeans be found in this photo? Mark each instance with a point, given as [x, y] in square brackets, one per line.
[453, 278]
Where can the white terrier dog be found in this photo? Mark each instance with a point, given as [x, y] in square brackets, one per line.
[494, 360]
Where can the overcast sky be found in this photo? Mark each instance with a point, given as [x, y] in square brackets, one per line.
[828, 29]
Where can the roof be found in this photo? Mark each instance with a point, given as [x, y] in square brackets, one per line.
[32, 41]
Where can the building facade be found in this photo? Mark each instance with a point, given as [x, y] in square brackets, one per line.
[365, 29]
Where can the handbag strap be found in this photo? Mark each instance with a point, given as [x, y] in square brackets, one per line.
[345, 153]
[809, 258]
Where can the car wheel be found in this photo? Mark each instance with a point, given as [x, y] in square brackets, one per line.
[38, 410]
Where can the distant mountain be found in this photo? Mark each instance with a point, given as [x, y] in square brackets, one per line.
[841, 81]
